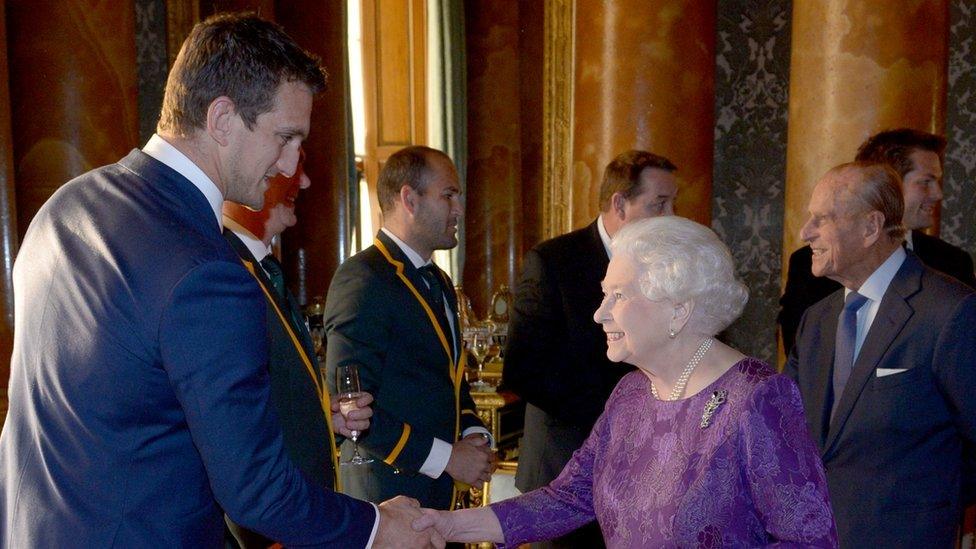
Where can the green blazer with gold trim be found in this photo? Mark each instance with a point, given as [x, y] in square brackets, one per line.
[377, 316]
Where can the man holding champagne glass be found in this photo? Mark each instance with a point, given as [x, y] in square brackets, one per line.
[297, 393]
[393, 314]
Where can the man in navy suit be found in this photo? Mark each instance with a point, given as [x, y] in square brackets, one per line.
[556, 357]
[139, 397]
[917, 157]
[309, 419]
[885, 368]
[393, 313]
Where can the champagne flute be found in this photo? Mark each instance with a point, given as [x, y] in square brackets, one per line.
[479, 349]
[348, 389]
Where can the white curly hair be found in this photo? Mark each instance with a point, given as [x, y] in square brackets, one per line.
[680, 260]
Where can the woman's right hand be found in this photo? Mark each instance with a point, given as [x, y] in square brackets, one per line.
[439, 520]
[465, 526]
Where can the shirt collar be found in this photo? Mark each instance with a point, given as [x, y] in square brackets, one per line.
[161, 150]
[908, 240]
[604, 235]
[413, 256]
[254, 245]
[877, 284]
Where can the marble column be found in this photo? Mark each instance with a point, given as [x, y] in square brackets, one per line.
[8, 221]
[644, 78]
[858, 67]
[72, 90]
[493, 227]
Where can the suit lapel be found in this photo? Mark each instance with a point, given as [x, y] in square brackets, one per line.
[824, 369]
[305, 354]
[451, 299]
[303, 344]
[408, 274]
[596, 254]
[892, 316]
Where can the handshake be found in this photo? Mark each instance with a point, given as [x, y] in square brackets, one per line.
[408, 525]
[403, 523]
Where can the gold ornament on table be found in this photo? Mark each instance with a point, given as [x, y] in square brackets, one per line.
[484, 340]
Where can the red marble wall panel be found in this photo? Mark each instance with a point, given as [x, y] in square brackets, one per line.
[72, 90]
[8, 219]
[322, 212]
[493, 215]
[645, 78]
[531, 17]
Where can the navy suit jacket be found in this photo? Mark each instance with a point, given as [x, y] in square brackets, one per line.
[139, 401]
[377, 316]
[894, 450]
[803, 289]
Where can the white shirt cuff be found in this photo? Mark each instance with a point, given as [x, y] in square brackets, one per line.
[481, 430]
[436, 462]
[376, 526]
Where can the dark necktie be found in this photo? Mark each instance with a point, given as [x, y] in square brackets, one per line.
[288, 303]
[436, 289]
[275, 273]
[844, 345]
[435, 297]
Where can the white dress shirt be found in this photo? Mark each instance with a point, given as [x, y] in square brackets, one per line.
[161, 150]
[874, 289]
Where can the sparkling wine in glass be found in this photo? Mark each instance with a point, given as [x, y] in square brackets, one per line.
[480, 345]
[348, 389]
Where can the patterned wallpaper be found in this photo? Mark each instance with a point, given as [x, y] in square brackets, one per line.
[958, 215]
[151, 61]
[751, 83]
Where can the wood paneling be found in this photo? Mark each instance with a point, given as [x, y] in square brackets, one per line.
[394, 74]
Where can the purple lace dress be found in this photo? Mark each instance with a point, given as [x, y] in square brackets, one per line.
[653, 477]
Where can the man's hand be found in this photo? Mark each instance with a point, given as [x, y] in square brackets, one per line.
[471, 460]
[356, 419]
[441, 521]
[395, 530]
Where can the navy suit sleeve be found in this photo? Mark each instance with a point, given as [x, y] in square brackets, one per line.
[211, 339]
[954, 363]
[537, 341]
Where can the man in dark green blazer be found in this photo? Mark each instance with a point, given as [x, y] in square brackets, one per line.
[309, 420]
[393, 313]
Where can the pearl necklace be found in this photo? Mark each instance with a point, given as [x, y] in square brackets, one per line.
[679, 386]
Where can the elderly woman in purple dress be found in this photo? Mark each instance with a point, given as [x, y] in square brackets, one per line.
[701, 446]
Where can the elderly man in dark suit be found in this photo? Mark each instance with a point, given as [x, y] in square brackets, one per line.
[917, 157]
[308, 417]
[139, 407]
[393, 313]
[885, 368]
[556, 358]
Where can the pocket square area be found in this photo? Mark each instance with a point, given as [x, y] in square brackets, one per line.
[882, 372]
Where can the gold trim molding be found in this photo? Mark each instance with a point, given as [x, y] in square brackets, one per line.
[557, 113]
